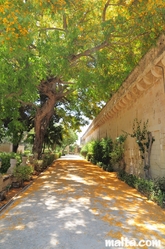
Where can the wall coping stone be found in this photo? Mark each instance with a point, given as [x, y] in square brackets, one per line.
[149, 70]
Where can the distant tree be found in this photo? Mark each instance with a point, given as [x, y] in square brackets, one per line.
[69, 139]
[14, 127]
[53, 135]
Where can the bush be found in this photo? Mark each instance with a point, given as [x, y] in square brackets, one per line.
[152, 189]
[97, 152]
[38, 165]
[117, 154]
[57, 155]
[5, 157]
[47, 160]
[23, 172]
[107, 147]
[105, 153]
[89, 157]
[109, 168]
[84, 150]
[160, 182]
[101, 151]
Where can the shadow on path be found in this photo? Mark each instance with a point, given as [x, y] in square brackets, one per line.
[77, 205]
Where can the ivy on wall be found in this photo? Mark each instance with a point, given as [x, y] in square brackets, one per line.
[144, 139]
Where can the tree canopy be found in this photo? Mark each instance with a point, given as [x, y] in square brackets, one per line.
[70, 56]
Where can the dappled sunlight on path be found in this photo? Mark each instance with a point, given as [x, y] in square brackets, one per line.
[77, 205]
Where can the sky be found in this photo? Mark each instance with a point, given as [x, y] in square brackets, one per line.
[83, 130]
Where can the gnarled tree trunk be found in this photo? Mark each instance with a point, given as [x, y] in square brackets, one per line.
[42, 119]
[50, 91]
[147, 156]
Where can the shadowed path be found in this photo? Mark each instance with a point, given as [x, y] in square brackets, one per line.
[76, 205]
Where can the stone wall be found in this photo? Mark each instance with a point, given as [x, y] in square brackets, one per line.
[141, 96]
[6, 147]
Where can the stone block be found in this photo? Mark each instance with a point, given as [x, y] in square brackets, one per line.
[150, 105]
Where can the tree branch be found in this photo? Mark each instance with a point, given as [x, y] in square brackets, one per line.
[64, 22]
[88, 52]
[14, 94]
[104, 10]
[27, 103]
[62, 95]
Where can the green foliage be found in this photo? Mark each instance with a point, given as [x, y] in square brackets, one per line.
[40, 165]
[80, 44]
[105, 153]
[84, 150]
[23, 172]
[140, 132]
[57, 155]
[101, 151]
[48, 159]
[53, 135]
[152, 189]
[69, 137]
[118, 149]
[160, 182]
[106, 148]
[98, 152]
[5, 159]
[144, 139]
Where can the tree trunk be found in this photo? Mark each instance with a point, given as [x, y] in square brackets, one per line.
[147, 156]
[42, 119]
[50, 91]
[15, 147]
[17, 136]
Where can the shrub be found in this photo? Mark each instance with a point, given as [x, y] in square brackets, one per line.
[152, 189]
[160, 182]
[23, 172]
[5, 157]
[89, 155]
[49, 158]
[107, 147]
[40, 165]
[84, 150]
[109, 168]
[87, 150]
[117, 154]
[98, 152]
[57, 155]
[101, 151]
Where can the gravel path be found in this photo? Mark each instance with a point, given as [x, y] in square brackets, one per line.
[76, 205]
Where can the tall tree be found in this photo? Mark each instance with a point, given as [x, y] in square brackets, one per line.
[65, 50]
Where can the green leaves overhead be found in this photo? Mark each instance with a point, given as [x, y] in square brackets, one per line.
[90, 46]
